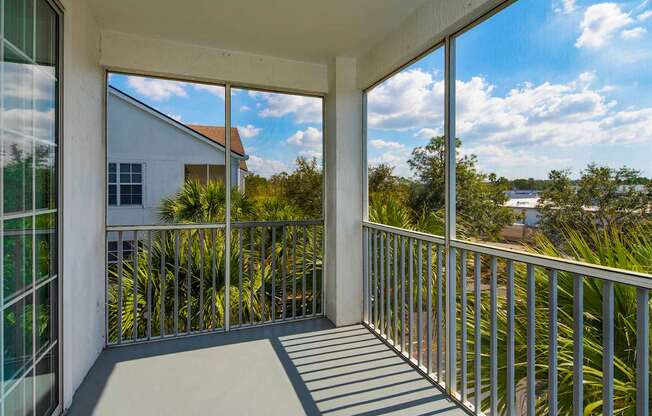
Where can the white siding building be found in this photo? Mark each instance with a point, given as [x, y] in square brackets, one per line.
[150, 155]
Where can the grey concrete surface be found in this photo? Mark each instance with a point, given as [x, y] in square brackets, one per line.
[307, 367]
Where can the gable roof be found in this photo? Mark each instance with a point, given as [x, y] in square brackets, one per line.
[212, 134]
[218, 135]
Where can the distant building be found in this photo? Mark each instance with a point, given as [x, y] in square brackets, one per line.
[150, 155]
[524, 204]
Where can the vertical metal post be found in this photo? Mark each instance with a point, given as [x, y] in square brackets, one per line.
[314, 269]
[284, 264]
[134, 283]
[227, 219]
[477, 344]
[149, 284]
[419, 302]
[189, 284]
[374, 277]
[303, 273]
[411, 297]
[429, 307]
[578, 345]
[120, 270]
[642, 352]
[531, 332]
[381, 295]
[463, 340]
[176, 282]
[240, 268]
[365, 275]
[440, 312]
[213, 280]
[294, 272]
[511, 382]
[163, 291]
[273, 297]
[395, 337]
[201, 279]
[263, 259]
[493, 343]
[450, 152]
[403, 294]
[252, 290]
[388, 314]
[552, 343]
[608, 348]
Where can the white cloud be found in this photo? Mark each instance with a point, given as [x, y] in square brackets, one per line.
[635, 33]
[599, 24]
[303, 109]
[265, 167]
[382, 144]
[644, 16]
[157, 89]
[244, 108]
[395, 159]
[249, 131]
[311, 154]
[563, 114]
[427, 133]
[310, 137]
[410, 99]
[564, 6]
[216, 90]
[504, 161]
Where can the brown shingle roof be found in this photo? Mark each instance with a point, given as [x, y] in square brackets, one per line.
[218, 135]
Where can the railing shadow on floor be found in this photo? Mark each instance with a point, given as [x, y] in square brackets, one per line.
[331, 370]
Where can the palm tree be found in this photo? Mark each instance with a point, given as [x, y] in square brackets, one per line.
[196, 280]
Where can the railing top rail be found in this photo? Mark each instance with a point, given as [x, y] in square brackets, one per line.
[162, 227]
[627, 277]
[241, 224]
[406, 233]
[275, 223]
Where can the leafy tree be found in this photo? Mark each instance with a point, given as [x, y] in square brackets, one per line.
[603, 197]
[302, 187]
[480, 197]
[384, 184]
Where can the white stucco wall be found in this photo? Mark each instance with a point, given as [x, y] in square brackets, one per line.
[132, 53]
[427, 26]
[83, 197]
[343, 136]
[135, 135]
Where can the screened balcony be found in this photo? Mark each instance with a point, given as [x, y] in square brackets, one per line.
[305, 207]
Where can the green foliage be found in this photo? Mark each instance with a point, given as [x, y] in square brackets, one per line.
[302, 187]
[612, 247]
[420, 204]
[603, 197]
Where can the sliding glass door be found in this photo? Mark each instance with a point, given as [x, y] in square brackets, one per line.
[29, 227]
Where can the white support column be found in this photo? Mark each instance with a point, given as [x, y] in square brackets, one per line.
[344, 173]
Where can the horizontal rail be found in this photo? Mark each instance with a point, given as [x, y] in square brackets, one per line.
[417, 235]
[164, 227]
[623, 276]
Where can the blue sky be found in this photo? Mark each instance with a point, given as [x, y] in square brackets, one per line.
[544, 84]
[275, 128]
[541, 85]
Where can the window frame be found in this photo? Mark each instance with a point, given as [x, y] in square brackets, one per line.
[118, 183]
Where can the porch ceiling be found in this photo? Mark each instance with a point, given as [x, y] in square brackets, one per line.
[305, 30]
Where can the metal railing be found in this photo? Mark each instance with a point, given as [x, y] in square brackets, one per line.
[167, 281]
[512, 347]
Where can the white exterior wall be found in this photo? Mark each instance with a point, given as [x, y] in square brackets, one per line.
[138, 136]
[83, 197]
[343, 135]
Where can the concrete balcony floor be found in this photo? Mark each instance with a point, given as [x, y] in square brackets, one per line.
[304, 367]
